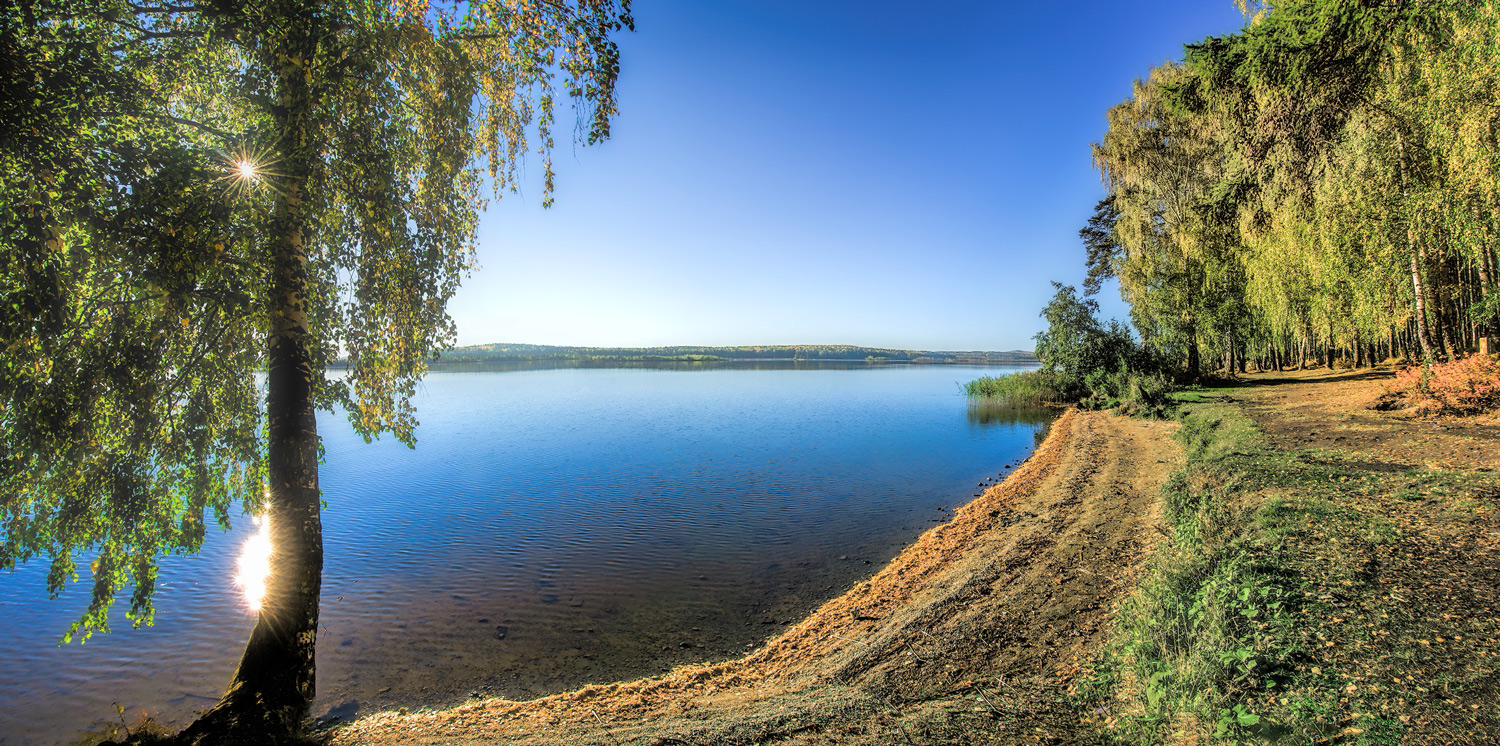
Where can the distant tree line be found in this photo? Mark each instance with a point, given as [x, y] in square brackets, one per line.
[525, 352]
[1322, 187]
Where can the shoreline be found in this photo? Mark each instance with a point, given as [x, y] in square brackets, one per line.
[861, 656]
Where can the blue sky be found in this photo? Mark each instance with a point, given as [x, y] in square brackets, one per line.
[906, 175]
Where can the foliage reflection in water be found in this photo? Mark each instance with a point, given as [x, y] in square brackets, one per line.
[988, 412]
[551, 528]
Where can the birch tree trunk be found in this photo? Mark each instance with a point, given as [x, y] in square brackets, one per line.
[1419, 293]
[1193, 359]
[1487, 280]
[272, 690]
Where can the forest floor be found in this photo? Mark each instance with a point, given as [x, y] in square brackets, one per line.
[1322, 409]
[974, 634]
[1404, 576]
[1332, 575]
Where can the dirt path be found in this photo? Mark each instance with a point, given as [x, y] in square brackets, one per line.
[971, 635]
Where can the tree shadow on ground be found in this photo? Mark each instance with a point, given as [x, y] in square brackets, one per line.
[1291, 378]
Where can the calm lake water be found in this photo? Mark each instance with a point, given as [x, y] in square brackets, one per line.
[552, 528]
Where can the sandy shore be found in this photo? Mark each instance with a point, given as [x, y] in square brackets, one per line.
[973, 634]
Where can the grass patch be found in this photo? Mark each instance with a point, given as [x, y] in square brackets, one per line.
[1303, 597]
[1030, 388]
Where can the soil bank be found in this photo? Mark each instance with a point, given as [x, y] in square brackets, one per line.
[973, 634]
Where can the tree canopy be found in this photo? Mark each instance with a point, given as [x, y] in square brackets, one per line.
[1320, 184]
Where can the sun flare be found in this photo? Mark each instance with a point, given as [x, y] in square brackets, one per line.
[247, 170]
[255, 564]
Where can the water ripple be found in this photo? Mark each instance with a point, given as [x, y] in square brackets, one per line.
[551, 528]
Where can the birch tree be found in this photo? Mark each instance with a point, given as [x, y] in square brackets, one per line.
[197, 192]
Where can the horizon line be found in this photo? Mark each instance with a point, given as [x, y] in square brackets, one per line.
[724, 346]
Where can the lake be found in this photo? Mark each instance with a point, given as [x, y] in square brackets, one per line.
[552, 528]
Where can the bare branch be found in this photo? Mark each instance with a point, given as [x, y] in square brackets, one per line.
[196, 125]
[165, 8]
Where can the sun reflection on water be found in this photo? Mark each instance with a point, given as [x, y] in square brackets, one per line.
[255, 564]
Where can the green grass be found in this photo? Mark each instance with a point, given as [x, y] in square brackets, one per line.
[1131, 393]
[1208, 624]
[1280, 607]
[1025, 389]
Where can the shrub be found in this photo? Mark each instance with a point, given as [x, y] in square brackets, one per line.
[1097, 364]
[1146, 395]
[1077, 347]
[1467, 386]
[1134, 393]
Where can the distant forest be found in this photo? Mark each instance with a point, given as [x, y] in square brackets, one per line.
[522, 352]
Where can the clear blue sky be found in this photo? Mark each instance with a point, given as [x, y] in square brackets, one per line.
[886, 174]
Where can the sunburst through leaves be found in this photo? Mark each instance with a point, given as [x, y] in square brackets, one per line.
[247, 168]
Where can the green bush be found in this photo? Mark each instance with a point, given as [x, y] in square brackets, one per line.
[1147, 395]
[1133, 393]
[1098, 364]
[1078, 349]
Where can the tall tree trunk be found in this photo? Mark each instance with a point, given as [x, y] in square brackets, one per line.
[1492, 293]
[1329, 349]
[1490, 259]
[1414, 250]
[272, 690]
[1193, 361]
[1419, 292]
[1490, 277]
[1445, 336]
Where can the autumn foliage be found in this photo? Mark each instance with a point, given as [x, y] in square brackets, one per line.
[1467, 386]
